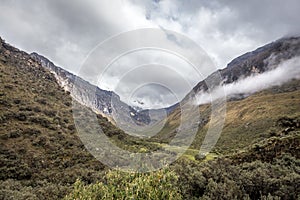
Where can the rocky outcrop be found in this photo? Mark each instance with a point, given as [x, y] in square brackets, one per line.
[90, 95]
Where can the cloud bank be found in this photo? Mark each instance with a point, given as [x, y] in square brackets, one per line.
[286, 71]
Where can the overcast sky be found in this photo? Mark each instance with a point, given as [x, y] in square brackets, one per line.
[66, 31]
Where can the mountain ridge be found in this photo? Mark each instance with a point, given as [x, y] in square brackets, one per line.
[250, 63]
[90, 95]
[254, 62]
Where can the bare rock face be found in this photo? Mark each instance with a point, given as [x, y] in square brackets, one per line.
[91, 95]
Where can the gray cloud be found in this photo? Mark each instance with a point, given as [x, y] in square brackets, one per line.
[66, 31]
[225, 29]
[274, 17]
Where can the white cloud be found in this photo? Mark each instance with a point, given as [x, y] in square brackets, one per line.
[286, 71]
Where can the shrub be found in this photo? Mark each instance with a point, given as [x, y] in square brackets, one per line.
[41, 121]
[118, 185]
[50, 113]
[20, 116]
[36, 109]
[31, 131]
[12, 134]
[41, 101]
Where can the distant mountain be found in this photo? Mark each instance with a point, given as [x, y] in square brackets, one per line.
[249, 64]
[92, 96]
[259, 61]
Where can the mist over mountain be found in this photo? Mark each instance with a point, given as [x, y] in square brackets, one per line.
[254, 71]
[286, 71]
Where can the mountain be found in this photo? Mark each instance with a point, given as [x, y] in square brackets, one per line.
[258, 61]
[41, 154]
[66, 80]
[248, 115]
[90, 95]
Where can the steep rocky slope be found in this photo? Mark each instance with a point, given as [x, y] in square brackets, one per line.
[41, 154]
[90, 95]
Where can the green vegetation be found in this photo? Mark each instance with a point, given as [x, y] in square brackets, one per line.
[161, 184]
[40, 152]
[42, 157]
[223, 179]
[268, 169]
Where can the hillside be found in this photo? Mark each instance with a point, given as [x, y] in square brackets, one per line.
[41, 153]
[249, 116]
[258, 61]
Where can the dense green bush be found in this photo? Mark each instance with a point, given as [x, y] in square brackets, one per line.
[222, 179]
[119, 185]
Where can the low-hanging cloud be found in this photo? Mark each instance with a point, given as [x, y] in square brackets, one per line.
[286, 71]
